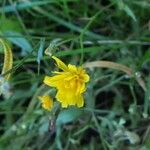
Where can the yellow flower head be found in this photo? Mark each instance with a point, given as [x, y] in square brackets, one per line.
[70, 83]
[47, 102]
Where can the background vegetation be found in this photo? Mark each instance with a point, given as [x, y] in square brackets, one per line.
[116, 112]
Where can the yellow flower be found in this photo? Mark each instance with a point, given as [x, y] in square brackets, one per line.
[70, 83]
[47, 102]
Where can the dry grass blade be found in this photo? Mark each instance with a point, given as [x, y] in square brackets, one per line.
[8, 59]
[112, 65]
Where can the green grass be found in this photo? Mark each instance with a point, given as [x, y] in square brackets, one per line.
[116, 114]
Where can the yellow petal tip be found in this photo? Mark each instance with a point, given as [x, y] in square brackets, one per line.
[46, 101]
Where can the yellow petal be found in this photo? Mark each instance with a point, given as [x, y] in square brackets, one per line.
[72, 68]
[53, 81]
[66, 98]
[86, 78]
[62, 99]
[47, 102]
[80, 101]
[69, 98]
[60, 64]
[82, 71]
[80, 88]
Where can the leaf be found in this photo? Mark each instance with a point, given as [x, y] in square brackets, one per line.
[64, 117]
[68, 115]
[148, 142]
[126, 8]
[146, 57]
[40, 50]
[9, 24]
[129, 12]
[19, 40]
[147, 99]
[40, 53]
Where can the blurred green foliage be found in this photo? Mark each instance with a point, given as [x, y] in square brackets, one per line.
[117, 110]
